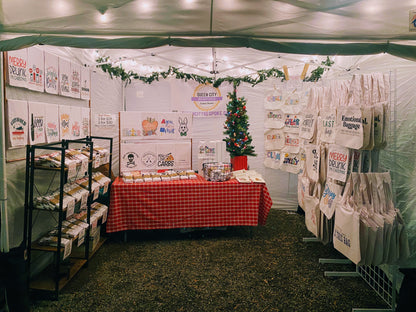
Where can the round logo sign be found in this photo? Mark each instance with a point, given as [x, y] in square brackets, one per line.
[206, 97]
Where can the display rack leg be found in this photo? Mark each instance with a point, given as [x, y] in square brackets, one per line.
[338, 273]
[311, 240]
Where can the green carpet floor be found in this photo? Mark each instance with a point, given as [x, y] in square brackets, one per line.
[267, 268]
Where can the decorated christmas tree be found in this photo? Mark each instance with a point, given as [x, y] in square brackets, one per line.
[236, 127]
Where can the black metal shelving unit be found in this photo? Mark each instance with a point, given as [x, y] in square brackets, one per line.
[60, 272]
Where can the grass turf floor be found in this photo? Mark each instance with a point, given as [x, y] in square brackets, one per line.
[267, 268]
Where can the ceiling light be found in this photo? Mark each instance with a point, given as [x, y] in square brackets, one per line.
[104, 18]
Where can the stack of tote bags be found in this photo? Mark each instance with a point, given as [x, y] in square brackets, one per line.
[342, 128]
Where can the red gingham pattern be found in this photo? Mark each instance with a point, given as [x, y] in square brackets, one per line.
[186, 204]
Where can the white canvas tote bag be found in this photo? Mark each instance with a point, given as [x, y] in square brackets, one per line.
[312, 212]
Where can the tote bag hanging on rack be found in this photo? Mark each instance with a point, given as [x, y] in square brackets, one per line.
[312, 212]
[330, 197]
[349, 130]
[313, 155]
[346, 236]
[307, 128]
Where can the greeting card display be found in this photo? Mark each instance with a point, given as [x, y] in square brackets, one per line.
[51, 122]
[51, 73]
[17, 68]
[36, 123]
[17, 122]
[35, 69]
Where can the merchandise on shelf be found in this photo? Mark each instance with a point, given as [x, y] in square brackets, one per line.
[101, 156]
[102, 180]
[51, 201]
[169, 175]
[216, 171]
[79, 193]
[95, 186]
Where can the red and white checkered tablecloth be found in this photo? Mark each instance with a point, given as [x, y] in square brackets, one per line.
[186, 204]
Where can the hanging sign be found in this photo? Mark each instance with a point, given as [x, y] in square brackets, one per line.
[75, 81]
[106, 121]
[338, 160]
[17, 122]
[51, 122]
[17, 68]
[85, 83]
[64, 77]
[202, 100]
[51, 73]
[35, 69]
[36, 123]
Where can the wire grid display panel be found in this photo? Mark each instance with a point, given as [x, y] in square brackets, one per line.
[379, 281]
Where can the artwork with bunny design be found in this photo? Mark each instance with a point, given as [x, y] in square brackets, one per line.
[183, 126]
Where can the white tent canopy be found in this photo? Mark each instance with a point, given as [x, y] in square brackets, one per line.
[233, 38]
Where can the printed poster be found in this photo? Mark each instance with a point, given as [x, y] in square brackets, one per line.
[75, 122]
[155, 156]
[85, 83]
[85, 122]
[148, 125]
[338, 160]
[201, 100]
[64, 119]
[64, 77]
[51, 122]
[36, 123]
[75, 81]
[51, 73]
[17, 68]
[17, 122]
[35, 69]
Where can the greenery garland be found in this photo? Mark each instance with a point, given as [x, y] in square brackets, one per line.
[262, 75]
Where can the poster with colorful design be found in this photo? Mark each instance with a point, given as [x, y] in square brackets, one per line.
[51, 73]
[75, 81]
[75, 122]
[85, 122]
[51, 122]
[64, 121]
[36, 123]
[148, 125]
[17, 68]
[155, 156]
[64, 77]
[35, 69]
[85, 83]
[17, 122]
